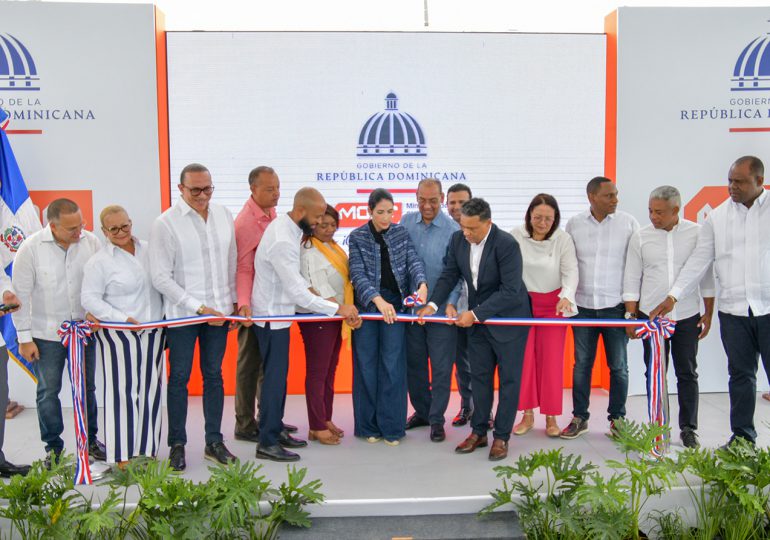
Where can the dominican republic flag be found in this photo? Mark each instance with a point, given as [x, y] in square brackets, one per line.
[18, 219]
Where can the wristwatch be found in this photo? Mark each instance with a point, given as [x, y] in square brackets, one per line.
[630, 315]
[200, 310]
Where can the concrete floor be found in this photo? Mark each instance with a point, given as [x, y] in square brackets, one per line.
[416, 478]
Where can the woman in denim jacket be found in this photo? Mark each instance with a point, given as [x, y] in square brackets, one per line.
[383, 262]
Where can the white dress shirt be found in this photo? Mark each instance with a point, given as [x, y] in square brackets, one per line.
[47, 279]
[5, 285]
[192, 261]
[737, 240]
[601, 248]
[548, 264]
[117, 285]
[655, 258]
[477, 250]
[321, 275]
[279, 288]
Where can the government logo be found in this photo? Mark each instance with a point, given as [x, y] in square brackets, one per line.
[391, 133]
[17, 67]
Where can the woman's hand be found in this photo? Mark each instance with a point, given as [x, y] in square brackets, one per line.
[387, 310]
[564, 306]
[422, 293]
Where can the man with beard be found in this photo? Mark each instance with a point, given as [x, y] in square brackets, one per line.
[278, 290]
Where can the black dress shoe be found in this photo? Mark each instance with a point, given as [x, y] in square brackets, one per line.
[251, 436]
[176, 457]
[219, 453]
[415, 421]
[437, 433]
[276, 453]
[8, 469]
[287, 441]
[290, 428]
[462, 417]
[97, 450]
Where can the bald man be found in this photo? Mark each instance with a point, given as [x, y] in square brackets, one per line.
[278, 290]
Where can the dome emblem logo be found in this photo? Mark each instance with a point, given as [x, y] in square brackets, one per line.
[18, 71]
[752, 69]
[391, 133]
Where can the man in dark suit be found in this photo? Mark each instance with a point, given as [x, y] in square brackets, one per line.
[489, 260]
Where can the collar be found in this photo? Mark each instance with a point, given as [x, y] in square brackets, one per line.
[258, 212]
[481, 244]
[608, 216]
[112, 247]
[183, 207]
[293, 227]
[762, 197]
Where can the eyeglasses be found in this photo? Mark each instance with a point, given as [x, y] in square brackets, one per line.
[544, 219]
[116, 229]
[195, 191]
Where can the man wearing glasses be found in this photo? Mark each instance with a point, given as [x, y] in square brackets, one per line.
[192, 263]
[47, 278]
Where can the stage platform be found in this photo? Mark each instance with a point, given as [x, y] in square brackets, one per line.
[418, 477]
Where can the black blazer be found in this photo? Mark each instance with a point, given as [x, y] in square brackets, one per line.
[501, 291]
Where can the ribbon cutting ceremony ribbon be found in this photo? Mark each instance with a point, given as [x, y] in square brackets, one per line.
[74, 335]
[657, 331]
[412, 301]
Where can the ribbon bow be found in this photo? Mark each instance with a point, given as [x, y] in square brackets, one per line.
[412, 301]
[657, 331]
[74, 335]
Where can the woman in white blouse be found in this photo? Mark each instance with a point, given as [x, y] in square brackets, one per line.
[551, 277]
[117, 287]
[324, 264]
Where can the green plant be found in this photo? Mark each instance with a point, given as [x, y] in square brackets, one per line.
[235, 502]
[647, 475]
[546, 507]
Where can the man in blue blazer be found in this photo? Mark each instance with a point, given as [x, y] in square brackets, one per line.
[489, 260]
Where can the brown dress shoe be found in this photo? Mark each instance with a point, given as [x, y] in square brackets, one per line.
[499, 450]
[471, 443]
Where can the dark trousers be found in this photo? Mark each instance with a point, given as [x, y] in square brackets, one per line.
[744, 340]
[379, 380]
[322, 354]
[488, 354]
[586, 340]
[248, 380]
[49, 370]
[683, 346]
[429, 389]
[463, 369]
[274, 346]
[212, 341]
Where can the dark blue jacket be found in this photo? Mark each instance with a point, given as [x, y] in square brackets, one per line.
[365, 263]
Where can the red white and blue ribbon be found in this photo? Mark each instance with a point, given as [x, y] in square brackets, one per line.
[74, 335]
[412, 301]
[657, 331]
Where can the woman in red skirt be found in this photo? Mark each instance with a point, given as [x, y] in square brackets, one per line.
[551, 277]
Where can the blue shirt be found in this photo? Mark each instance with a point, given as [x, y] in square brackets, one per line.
[431, 242]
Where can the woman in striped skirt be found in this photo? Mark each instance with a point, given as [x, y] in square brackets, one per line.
[117, 288]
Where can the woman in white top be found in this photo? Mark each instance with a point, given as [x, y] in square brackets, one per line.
[117, 287]
[551, 277]
[324, 264]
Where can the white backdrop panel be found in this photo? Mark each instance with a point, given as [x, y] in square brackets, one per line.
[511, 115]
[680, 122]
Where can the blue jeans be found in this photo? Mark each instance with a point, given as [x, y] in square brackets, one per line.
[181, 344]
[615, 341]
[379, 380]
[49, 370]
